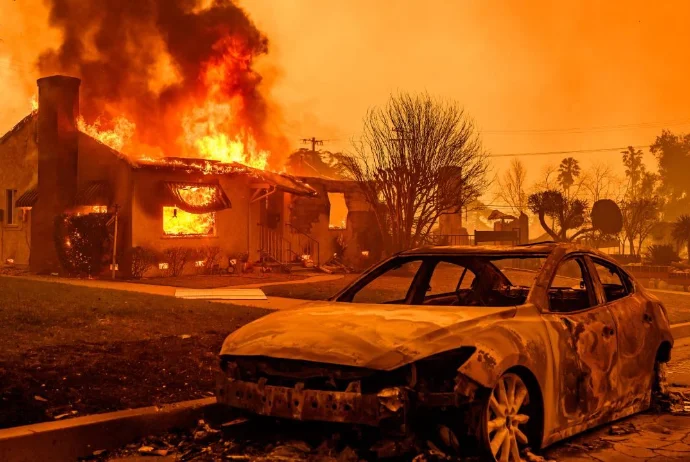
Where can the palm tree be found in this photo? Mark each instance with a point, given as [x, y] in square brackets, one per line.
[568, 171]
[681, 231]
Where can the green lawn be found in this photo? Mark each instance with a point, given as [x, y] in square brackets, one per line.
[77, 350]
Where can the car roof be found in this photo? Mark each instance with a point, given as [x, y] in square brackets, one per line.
[540, 248]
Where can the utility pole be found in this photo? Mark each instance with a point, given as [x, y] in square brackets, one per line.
[113, 265]
[314, 142]
[401, 138]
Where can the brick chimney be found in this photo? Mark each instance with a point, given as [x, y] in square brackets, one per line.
[57, 136]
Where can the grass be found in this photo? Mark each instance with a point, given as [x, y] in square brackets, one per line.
[76, 350]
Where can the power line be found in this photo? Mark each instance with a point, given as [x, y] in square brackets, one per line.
[314, 142]
[588, 129]
[578, 151]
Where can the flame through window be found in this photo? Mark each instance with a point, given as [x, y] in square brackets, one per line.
[177, 222]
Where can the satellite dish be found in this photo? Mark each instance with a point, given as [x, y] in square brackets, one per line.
[607, 217]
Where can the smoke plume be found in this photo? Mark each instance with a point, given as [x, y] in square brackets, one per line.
[180, 70]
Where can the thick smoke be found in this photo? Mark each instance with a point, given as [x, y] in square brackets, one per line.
[149, 60]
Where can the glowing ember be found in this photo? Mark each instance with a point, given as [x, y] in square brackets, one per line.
[117, 137]
[177, 222]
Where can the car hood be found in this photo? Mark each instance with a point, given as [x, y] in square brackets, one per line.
[373, 336]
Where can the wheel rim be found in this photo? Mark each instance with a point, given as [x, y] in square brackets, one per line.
[504, 420]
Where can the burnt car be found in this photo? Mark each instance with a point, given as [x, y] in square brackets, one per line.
[514, 346]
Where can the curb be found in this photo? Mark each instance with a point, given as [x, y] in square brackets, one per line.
[71, 439]
[679, 331]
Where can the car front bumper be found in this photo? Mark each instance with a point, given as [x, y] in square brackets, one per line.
[317, 405]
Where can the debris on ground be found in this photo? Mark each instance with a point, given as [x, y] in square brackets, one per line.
[622, 429]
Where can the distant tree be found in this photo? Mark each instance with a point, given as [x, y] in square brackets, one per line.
[681, 231]
[566, 214]
[640, 216]
[305, 162]
[512, 187]
[634, 169]
[418, 158]
[600, 182]
[568, 172]
[673, 156]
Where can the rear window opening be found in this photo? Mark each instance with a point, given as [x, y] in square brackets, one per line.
[448, 281]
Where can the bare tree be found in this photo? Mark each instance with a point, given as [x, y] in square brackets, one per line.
[418, 158]
[512, 187]
[600, 183]
[550, 179]
[639, 218]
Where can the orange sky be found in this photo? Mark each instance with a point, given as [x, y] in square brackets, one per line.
[513, 65]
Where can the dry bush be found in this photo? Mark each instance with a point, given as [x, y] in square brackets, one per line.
[142, 260]
[177, 258]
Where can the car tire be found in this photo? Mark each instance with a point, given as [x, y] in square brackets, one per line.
[505, 419]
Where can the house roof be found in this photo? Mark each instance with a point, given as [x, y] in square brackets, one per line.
[18, 127]
[281, 181]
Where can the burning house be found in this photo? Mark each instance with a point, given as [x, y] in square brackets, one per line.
[49, 167]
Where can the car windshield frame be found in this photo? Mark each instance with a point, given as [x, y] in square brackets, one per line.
[348, 293]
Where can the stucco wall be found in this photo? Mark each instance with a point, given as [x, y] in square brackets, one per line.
[231, 224]
[18, 171]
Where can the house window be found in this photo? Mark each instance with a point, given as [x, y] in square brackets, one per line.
[9, 208]
[338, 215]
[177, 222]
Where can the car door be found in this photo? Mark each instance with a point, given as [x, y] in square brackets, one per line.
[583, 337]
[638, 337]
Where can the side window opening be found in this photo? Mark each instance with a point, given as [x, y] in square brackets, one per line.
[614, 285]
[391, 287]
[570, 289]
[447, 278]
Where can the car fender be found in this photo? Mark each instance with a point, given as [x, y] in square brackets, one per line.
[522, 342]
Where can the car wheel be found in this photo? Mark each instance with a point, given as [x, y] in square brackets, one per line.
[505, 418]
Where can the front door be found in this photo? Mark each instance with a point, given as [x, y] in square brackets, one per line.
[583, 338]
[637, 336]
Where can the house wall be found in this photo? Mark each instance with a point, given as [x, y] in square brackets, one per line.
[97, 162]
[231, 224]
[18, 171]
[311, 216]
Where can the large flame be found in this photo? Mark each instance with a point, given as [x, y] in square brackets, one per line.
[177, 222]
[211, 124]
[117, 137]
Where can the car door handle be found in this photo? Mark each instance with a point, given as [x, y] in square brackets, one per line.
[647, 318]
[608, 331]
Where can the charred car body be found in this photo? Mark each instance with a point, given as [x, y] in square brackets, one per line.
[515, 345]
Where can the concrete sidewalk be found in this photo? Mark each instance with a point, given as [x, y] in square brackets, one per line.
[644, 437]
[272, 303]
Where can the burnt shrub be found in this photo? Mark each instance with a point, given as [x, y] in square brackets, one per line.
[83, 242]
[661, 254]
[210, 255]
[142, 260]
[177, 258]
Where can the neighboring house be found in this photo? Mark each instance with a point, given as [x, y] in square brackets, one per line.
[48, 167]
